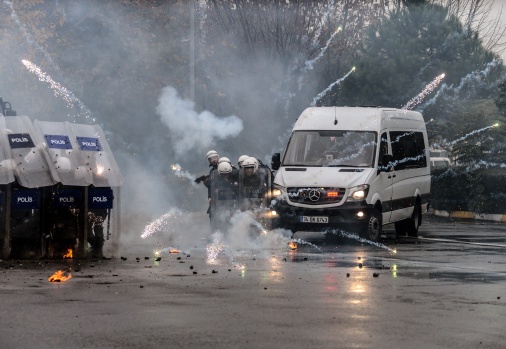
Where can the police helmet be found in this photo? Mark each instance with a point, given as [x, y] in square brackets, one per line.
[250, 162]
[224, 159]
[212, 153]
[224, 168]
[241, 159]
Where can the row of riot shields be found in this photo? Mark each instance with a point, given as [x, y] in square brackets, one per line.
[59, 188]
[239, 193]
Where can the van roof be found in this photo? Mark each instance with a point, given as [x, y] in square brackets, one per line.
[353, 118]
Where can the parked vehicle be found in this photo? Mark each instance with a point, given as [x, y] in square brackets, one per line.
[439, 159]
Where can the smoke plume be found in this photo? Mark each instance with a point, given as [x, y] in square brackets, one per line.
[190, 130]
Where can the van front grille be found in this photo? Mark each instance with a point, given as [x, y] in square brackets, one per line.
[315, 196]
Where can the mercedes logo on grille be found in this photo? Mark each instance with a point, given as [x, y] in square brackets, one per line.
[314, 195]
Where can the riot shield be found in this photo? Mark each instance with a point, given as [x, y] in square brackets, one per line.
[63, 152]
[254, 193]
[7, 165]
[25, 222]
[103, 222]
[96, 155]
[31, 167]
[63, 214]
[224, 202]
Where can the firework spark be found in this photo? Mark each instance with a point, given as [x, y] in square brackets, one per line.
[213, 251]
[58, 89]
[163, 223]
[477, 77]
[426, 91]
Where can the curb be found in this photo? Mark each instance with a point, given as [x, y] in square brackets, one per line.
[471, 215]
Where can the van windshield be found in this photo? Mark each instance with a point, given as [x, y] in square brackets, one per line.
[331, 148]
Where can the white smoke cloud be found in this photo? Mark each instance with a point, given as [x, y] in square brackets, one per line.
[190, 130]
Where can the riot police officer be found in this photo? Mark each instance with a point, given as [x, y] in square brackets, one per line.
[96, 231]
[212, 157]
[224, 196]
[241, 159]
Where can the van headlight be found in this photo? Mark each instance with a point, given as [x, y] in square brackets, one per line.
[278, 191]
[358, 193]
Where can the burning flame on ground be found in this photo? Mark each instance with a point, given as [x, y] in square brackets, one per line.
[60, 276]
[292, 245]
[173, 250]
[69, 254]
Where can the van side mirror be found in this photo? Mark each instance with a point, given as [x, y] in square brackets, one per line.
[276, 161]
[385, 163]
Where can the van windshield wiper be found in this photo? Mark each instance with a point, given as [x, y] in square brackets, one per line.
[343, 166]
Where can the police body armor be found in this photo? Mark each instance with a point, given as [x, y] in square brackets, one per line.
[254, 194]
[224, 202]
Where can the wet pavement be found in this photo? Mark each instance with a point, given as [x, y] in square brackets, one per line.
[446, 289]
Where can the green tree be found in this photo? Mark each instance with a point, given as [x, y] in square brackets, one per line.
[399, 57]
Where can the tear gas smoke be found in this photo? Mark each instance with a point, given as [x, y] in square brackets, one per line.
[190, 130]
[245, 235]
[178, 172]
[426, 91]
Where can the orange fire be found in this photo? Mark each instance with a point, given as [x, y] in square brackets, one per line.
[292, 245]
[60, 276]
[173, 250]
[68, 254]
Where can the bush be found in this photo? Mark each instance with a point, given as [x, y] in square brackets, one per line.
[461, 189]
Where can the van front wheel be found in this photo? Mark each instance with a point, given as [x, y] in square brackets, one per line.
[374, 226]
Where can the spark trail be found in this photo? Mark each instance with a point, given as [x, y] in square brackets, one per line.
[324, 92]
[309, 65]
[26, 34]
[427, 90]
[472, 133]
[57, 88]
[476, 76]
[345, 234]
[163, 223]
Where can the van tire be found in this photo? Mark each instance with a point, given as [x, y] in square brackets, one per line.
[374, 226]
[414, 222]
[410, 226]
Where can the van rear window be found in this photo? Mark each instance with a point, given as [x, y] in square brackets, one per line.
[331, 148]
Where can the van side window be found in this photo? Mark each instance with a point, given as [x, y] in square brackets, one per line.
[383, 149]
[408, 149]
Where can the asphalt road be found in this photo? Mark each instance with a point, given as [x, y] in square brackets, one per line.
[446, 289]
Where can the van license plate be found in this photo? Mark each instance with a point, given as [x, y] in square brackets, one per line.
[314, 219]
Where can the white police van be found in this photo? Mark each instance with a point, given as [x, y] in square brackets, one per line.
[353, 167]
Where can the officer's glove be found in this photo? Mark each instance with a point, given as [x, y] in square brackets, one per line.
[201, 179]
